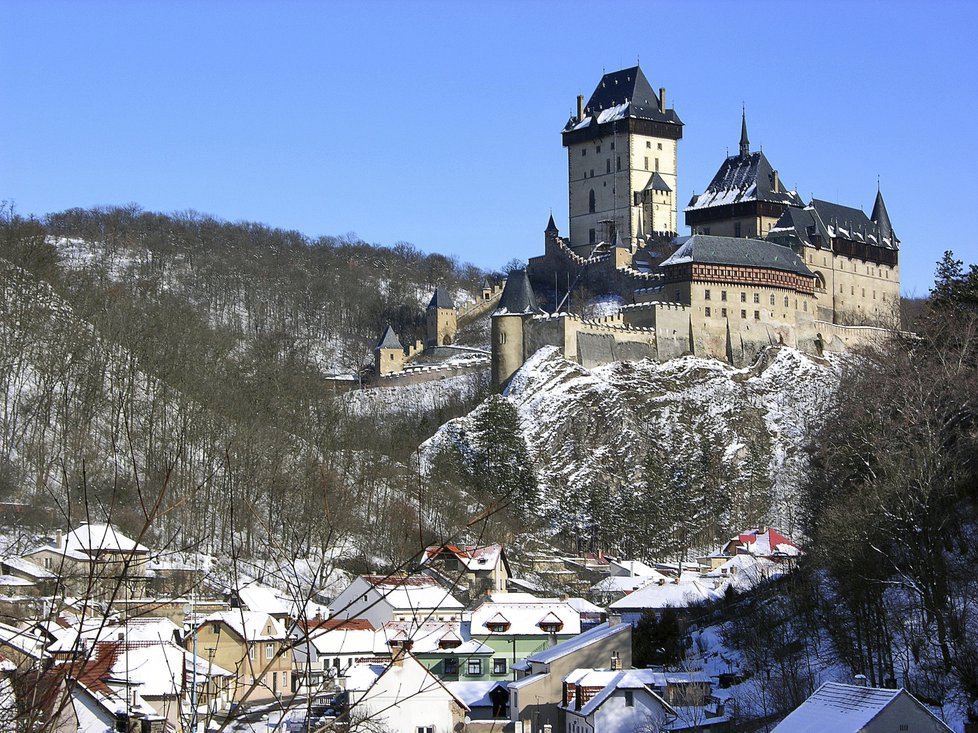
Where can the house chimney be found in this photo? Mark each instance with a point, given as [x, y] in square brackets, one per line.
[59, 538]
[860, 680]
[662, 100]
[615, 661]
[614, 619]
[580, 107]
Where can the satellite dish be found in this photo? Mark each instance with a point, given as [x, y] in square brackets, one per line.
[187, 609]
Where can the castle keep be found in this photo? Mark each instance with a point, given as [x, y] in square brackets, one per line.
[760, 267]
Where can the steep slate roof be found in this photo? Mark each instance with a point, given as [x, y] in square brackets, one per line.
[744, 178]
[621, 94]
[707, 249]
[828, 220]
[441, 299]
[880, 217]
[517, 295]
[389, 340]
[844, 709]
[658, 183]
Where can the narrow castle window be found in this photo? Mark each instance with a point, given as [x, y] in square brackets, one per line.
[706, 311]
[607, 167]
[590, 235]
[706, 295]
[723, 295]
[657, 164]
[743, 314]
[590, 202]
[757, 297]
[597, 149]
[737, 229]
[648, 144]
[612, 144]
[583, 152]
[646, 162]
[618, 163]
[743, 297]
[757, 315]
[723, 312]
[660, 146]
[786, 301]
[772, 298]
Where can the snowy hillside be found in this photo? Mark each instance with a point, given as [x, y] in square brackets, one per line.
[591, 432]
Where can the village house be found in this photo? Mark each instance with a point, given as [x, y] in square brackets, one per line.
[655, 597]
[446, 648]
[95, 561]
[253, 646]
[517, 625]
[858, 709]
[322, 649]
[383, 598]
[612, 701]
[401, 697]
[537, 692]
[470, 570]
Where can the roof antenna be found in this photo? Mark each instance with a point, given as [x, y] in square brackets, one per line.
[877, 183]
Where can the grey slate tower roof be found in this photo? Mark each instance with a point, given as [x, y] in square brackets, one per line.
[389, 340]
[881, 218]
[711, 250]
[626, 86]
[827, 220]
[744, 178]
[517, 296]
[441, 299]
[551, 225]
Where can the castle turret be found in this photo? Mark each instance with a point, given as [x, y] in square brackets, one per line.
[441, 319]
[516, 306]
[882, 219]
[388, 353]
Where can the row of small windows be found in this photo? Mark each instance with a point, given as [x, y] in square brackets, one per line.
[707, 295]
[707, 311]
[852, 291]
[871, 271]
[597, 148]
[473, 667]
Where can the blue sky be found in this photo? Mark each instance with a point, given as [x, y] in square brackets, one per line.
[438, 123]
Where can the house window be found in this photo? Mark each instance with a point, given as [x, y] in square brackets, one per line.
[706, 311]
[743, 314]
[47, 563]
[629, 699]
[499, 665]
[474, 668]
[251, 652]
[451, 666]
[269, 651]
[757, 315]
[426, 729]
[706, 295]
[757, 297]
[215, 628]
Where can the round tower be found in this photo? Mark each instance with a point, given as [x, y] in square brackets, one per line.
[509, 325]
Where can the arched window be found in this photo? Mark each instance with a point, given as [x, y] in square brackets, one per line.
[819, 281]
[590, 201]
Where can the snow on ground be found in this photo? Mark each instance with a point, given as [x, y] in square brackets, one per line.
[424, 396]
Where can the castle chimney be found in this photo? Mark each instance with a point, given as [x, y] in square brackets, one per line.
[776, 182]
[662, 100]
[580, 107]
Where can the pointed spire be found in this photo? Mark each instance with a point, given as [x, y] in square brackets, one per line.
[389, 340]
[880, 217]
[517, 296]
[744, 141]
[551, 225]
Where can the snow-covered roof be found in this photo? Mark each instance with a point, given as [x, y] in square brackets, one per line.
[97, 630]
[473, 557]
[844, 709]
[611, 680]
[412, 592]
[93, 539]
[432, 637]
[158, 669]
[632, 568]
[744, 178]
[27, 567]
[249, 625]
[763, 543]
[623, 583]
[666, 595]
[737, 251]
[581, 641]
[584, 607]
[474, 694]
[355, 636]
[23, 640]
[263, 598]
[524, 618]
[744, 572]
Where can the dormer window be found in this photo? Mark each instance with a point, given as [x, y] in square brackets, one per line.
[498, 624]
[551, 623]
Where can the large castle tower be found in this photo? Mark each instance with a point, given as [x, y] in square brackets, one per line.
[621, 163]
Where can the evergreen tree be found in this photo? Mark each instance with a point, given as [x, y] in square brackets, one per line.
[500, 468]
[948, 279]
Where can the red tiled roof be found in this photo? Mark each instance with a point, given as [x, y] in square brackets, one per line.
[400, 580]
[332, 624]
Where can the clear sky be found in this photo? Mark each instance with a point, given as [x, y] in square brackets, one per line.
[439, 123]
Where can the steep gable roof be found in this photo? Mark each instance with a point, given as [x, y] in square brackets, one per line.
[744, 178]
[441, 299]
[844, 709]
[880, 217]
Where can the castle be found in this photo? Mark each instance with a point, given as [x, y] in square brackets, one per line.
[759, 268]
